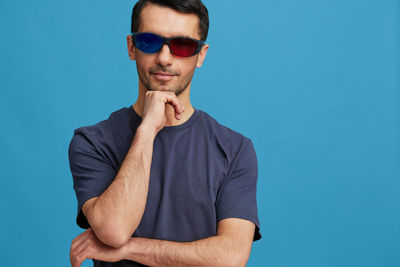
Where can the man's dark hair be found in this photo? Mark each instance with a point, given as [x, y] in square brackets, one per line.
[184, 6]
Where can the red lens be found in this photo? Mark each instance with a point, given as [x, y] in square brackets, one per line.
[183, 47]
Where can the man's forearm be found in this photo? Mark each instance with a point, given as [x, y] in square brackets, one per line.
[112, 216]
[212, 251]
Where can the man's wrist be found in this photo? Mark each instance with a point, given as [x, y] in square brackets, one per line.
[146, 130]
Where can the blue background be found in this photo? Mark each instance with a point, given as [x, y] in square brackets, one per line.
[315, 84]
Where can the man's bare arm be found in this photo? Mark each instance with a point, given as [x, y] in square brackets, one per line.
[117, 212]
[230, 247]
[108, 214]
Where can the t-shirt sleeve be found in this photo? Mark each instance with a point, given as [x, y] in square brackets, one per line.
[238, 195]
[91, 173]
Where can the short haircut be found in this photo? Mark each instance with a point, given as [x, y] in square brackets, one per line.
[184, 6]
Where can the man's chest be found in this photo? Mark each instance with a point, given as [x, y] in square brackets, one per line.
[183, 189]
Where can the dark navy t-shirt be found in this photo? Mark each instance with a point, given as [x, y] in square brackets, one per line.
[201, 172]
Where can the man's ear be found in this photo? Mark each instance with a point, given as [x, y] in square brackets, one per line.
[202, 55]
[131, 48]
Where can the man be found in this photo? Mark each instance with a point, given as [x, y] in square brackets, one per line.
[161, 183]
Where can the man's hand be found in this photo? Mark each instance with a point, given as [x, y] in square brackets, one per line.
[88, 246]
[155, 107]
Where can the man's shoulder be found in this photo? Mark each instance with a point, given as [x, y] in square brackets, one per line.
[223, 133]
[108, 139]
[105, 128]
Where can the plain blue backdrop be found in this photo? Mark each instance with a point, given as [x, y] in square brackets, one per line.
[314, 83]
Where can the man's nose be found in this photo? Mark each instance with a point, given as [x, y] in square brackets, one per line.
[164, 56]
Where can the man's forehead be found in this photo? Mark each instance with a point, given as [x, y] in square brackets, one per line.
[168, 22]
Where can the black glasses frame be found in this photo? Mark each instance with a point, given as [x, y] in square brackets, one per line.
[167, 40]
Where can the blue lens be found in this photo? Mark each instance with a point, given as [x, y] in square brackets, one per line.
[148, 42]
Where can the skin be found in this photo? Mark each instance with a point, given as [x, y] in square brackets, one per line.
[110, 215]
[162, 21]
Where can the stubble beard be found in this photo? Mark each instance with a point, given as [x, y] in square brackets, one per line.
[177, 90]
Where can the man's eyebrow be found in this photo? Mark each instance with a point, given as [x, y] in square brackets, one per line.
[187, 36]
[178, 35]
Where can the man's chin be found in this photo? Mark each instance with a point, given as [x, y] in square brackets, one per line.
[161, 89]
[166, 89]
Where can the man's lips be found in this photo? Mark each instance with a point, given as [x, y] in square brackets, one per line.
[163, 76]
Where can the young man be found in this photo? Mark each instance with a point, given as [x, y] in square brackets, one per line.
[161, 183]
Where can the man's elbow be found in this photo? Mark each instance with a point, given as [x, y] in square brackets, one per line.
[114, 241]
[237, 260]
[112, 235]
[108, 230]
[237, 255]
